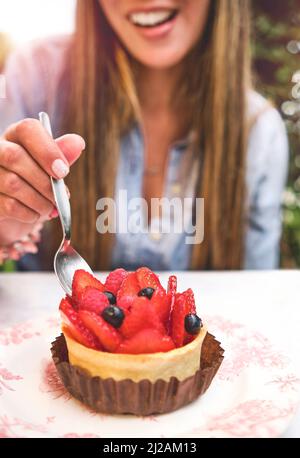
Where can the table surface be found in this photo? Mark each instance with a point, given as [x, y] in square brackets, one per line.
[266, 301]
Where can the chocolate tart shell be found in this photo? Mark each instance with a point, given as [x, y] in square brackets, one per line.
[139, 398]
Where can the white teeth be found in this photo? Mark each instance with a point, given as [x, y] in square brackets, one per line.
[150, 19]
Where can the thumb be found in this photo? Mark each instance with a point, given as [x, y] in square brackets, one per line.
[71, 145]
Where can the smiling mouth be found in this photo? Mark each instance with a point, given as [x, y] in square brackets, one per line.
[152, 18]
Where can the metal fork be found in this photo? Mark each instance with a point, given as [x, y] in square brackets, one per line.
[66, 260]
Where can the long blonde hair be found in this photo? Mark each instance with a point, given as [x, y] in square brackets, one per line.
[102, 105]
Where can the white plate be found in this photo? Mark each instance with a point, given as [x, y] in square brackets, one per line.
[255, 393]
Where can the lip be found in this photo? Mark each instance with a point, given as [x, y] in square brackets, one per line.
[148, 8]
[159, 31]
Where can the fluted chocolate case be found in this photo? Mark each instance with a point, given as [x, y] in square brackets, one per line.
[142, 397]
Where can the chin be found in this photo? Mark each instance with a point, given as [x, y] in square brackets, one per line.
[161, 59]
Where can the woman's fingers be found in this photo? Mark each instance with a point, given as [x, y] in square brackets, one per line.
[28, 155]
[16, 159]
[13, 186]
[30, 134]
[12, 209]
[72, 146]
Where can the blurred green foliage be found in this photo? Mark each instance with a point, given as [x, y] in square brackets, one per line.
[276, 30]
[8, 266]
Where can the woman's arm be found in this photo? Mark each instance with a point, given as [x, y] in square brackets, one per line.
[27, 154]
[267, 174]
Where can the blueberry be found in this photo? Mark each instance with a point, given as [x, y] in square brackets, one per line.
[192, 323]
[147, 292]
[111, 297]
[113, 315]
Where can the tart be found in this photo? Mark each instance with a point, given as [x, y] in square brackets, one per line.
[129, 345]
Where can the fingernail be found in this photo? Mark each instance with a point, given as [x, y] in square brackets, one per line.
[83, 145]
[54, 213]
[68, 192]
[60, 168]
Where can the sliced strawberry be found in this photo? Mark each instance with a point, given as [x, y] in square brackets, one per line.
[161, 301]
[81, 280]
[147, 278]
[183, 305]
[146, 341]
[114, 280]
[190, 301]
[178, 314]
[142, 315]
[172, 284]
[128, 289]
[76, 327]
[162, 305]
[125, 303]
[108, 336]
[93, 300]
[172, 288]
[189, 338]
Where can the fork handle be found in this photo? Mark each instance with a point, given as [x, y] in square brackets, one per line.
[59, 189]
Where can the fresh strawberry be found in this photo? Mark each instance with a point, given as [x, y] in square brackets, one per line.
[75, 326]
[147, 278]
[178, 314]
[172, 285]
[190, 301]
[146, 341]
[161, 301]
[108, 336]
[114, 280]
[183, 305]
[142, 315]
[93, 300]
[162, 305]
[172, 288]
[125, 303]
[188, 339]
[128, 289]
[81, 280]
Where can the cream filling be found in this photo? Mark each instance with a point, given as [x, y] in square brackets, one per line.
[180, 363]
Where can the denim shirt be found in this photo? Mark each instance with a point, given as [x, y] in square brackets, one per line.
[32, 76]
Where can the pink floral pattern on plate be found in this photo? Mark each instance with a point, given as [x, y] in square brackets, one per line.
[15, 427]
[50, 381]
[17, 334]
[264, 411]
[78, 436]
[5, 377]
[286, 383]
[250, 349]
[254, 418]
[52, 385]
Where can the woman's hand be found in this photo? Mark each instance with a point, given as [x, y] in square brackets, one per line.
[28, 155]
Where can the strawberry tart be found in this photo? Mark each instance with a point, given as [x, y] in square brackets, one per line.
[129, 345]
